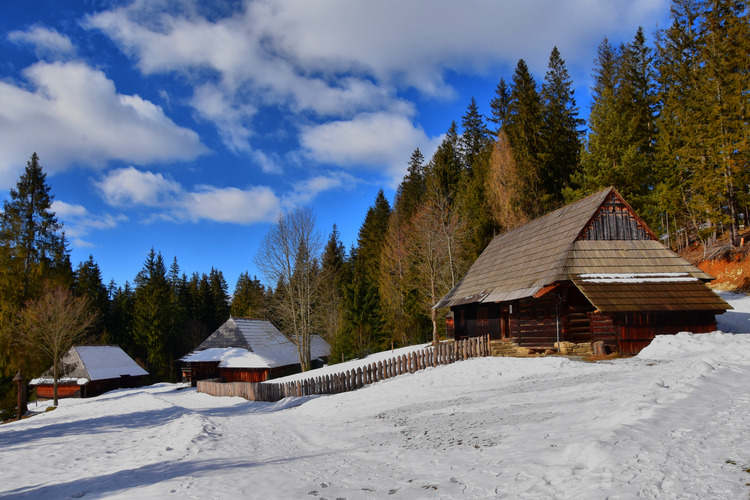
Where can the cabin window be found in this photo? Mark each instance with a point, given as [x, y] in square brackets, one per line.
[462, 318]
[482, 316]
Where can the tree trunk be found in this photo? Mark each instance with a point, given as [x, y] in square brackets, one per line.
[433, 316]
[54, 382]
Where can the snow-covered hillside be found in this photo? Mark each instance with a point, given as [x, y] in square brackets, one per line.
[669, 423]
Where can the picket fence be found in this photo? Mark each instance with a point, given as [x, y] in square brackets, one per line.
[442, 354]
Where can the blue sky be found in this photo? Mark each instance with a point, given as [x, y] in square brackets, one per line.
[190, 126]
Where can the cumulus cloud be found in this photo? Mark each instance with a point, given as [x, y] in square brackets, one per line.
[47, 42]
[73, 114]
[78, 222]
[239, 206]
[129, 187]
[377, 140]
[354, 62]
[286, 46]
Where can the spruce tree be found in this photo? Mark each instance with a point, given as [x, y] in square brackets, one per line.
[412, 188]
[524, 131]
[32, 246]
[87, 282]
[249, 298]
[474, 137]
[561, 137]
[445, 170]
[725, 83]
[333, 271]
[152, 316]
[679, 147]
[499, 106]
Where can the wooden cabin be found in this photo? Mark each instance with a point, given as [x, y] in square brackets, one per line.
[91, 370]
[589, 272]
[248, 350]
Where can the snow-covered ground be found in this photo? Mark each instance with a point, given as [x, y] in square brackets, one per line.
[673, 422]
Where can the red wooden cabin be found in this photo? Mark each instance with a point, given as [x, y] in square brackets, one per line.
[248, 350]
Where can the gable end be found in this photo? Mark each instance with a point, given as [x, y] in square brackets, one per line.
[616, 220]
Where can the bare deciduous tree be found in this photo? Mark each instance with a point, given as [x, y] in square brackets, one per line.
[288, 257]
[438, 232]
[52, 324]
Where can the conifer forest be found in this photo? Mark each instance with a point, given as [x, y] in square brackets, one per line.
[668, 128]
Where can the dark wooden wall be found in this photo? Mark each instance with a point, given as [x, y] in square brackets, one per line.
[614, 221]
[636, 330]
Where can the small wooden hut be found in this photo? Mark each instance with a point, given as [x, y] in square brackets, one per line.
[91, 370]
[591, 271]
[248, 350]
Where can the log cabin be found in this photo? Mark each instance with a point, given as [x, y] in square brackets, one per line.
[91, 370]
[589, 274]
[248, 350]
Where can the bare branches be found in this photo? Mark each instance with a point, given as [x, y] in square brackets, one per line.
[52, 324]
[288, 257]
[438, 232]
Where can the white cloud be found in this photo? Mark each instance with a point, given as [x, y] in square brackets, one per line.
[356, 62]
[249, 206]
[377, 140]
[129, 186]
[229, 117]
[342, 48]
[78, 222]
[305, 191]
[74, 115]
[47, 42]
[132, 188]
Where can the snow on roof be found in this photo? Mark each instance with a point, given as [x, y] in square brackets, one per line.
[253, 343]
[84, 363]
[236, 357]
[637, 277]
[62, 380]
[108, 361]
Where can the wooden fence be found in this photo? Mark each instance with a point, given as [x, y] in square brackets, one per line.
[350, 380]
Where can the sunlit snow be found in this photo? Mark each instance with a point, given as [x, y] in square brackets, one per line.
[671, 422]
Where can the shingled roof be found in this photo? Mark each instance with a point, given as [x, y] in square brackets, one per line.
[563, 246]
[94, 362]
[253, 343]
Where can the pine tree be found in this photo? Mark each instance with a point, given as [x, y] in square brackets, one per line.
[474, 138]
[524, 131]
[363, 320]
[679, 149]
[476, 150]
[371, 237]
[412, 188]
[152, 316]
[445, 170]
[619, 150]
[561, 137]
[87, 282]
[333, 273]
[249, 298]
[499, 106]
[725, 83]
[32, 248]
[33, 251]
